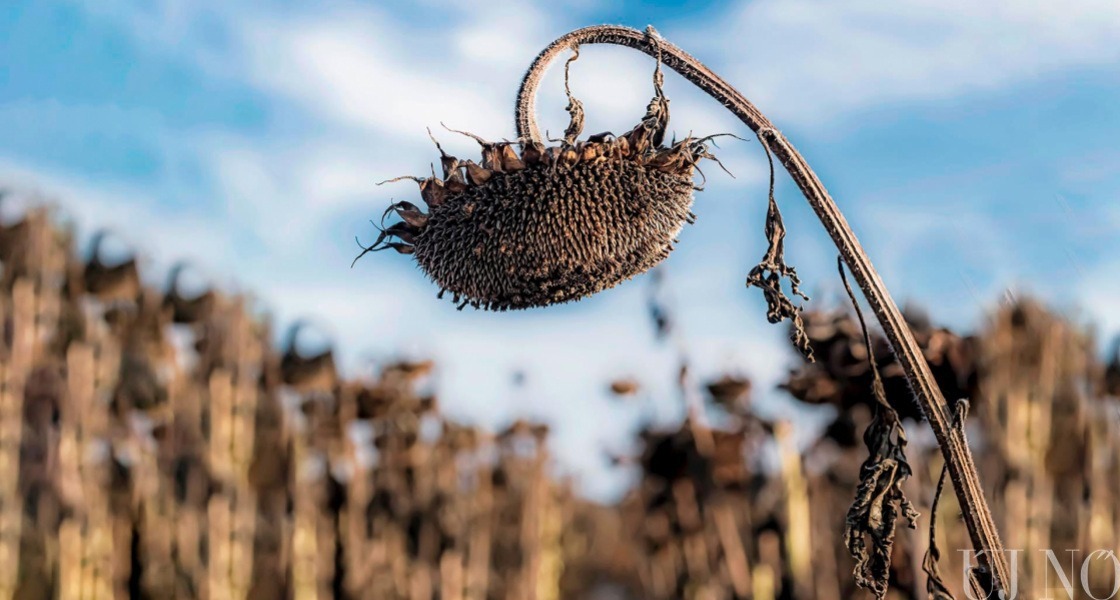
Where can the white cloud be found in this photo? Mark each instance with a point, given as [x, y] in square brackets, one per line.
[361, 68]
[800, 59]
[496, 40]
[371, 81]
[290, 194]
[816, 59]
[160, 235]
[1097, 291]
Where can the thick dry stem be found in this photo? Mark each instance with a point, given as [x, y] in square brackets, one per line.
[962, 470]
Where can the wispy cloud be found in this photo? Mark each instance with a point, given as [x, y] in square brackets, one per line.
[168, 234]
[348, 67]
[340, 95]
[791, 55]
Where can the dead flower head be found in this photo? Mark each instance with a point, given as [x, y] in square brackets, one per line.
[531, 225]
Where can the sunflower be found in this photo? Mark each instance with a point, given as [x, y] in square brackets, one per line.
[551, 224]
[533, 225]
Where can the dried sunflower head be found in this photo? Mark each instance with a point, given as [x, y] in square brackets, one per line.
[531, 225]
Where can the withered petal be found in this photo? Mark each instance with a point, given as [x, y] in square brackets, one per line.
[477, 175]
[509, 159]
[403, 231]
[433, 192]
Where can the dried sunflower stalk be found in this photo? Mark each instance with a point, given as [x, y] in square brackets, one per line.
[879, 500]
[554, 224]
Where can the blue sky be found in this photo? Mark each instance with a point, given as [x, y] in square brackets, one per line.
[971, 146]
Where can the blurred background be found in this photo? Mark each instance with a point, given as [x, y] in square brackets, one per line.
[159, 156]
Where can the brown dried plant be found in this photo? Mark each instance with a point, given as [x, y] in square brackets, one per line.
[231, 471]
[768, 274]
[551, 224]
[880, 500]
[557, 224]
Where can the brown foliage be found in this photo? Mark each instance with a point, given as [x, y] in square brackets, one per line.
[221, 467]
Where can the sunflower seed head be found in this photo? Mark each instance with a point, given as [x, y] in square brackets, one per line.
[551, 224]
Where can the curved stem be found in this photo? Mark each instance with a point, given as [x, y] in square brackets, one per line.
[958, 458]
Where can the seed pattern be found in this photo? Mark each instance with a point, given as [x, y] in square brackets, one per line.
[515, 243]
[550, 224]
